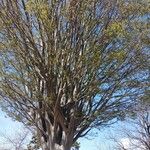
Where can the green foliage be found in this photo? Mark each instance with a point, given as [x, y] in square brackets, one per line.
[115, 29]
[76, 146]
[39, 8]
[33, 145]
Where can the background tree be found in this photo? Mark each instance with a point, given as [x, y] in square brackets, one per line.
[137, 135]
[68, 66]
[14, 142]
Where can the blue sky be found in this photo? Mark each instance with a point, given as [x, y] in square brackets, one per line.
[7, 125]
[99, 142]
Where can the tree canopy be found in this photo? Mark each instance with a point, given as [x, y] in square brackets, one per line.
[68, 66]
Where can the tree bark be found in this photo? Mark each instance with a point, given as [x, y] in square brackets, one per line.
[52, 145]
[54, 138]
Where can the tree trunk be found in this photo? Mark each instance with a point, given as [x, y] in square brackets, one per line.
[51, 145]
[57, 140]
[54, 132]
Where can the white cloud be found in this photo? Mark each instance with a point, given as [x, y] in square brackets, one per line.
[131, 144]
[125, 143]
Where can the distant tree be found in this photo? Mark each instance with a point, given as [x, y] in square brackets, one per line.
[139, 138]
[68, 66]
[18, 141]
[137, 135]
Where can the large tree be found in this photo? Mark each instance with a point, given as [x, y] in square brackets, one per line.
[68, 66]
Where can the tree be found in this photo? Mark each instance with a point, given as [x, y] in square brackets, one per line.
[137, 136]
[34, 143]
[68, 66]
[16, 142]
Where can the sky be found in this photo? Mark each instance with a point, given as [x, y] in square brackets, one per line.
[99, 141]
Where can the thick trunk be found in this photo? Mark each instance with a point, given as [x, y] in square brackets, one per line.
[55, 146]
[55, 133]
[56, 141]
